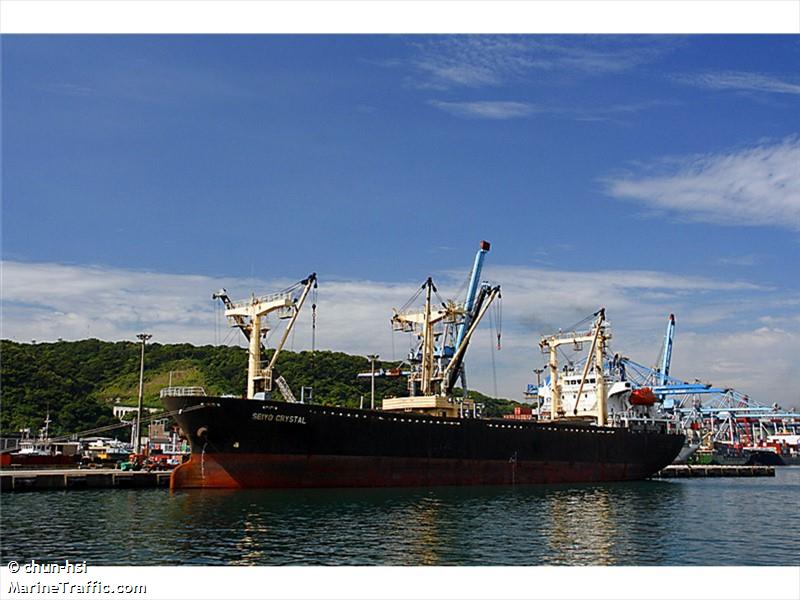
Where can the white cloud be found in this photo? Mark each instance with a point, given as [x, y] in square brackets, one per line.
[500, 109]
[486, 109]
[746, 260]
[742, 81]
[754, 186]
[767, 355]
[486, 60]
[50, 301]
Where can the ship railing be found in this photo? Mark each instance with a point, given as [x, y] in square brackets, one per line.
[631, 421]
[183, 391]
[264, 299]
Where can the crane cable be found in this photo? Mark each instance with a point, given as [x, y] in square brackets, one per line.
[491, 346]
[411, 300]
[314, 335]
[498, 309]
[314, 318]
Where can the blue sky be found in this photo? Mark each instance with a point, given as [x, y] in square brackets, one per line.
[669, 163]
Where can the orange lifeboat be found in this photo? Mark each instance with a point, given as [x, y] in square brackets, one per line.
[643, 397]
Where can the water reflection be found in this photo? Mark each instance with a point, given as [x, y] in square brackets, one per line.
[654, 522]
[579, 526]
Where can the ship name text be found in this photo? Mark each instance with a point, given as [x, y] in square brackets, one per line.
[294, 419]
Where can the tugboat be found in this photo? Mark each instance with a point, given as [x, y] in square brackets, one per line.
[429, 437]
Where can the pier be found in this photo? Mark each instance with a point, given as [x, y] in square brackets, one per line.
[679, 471]
[80, 479]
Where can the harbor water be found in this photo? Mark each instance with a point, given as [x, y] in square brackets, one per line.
[725, 521]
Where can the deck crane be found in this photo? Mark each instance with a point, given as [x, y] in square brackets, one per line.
[443, 330]
[247, 315]
[598, 336]
[426, 323]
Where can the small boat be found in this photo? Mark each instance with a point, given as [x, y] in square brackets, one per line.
[41, 451]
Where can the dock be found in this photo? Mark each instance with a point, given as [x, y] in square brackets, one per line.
[80, 479]
[679, 471]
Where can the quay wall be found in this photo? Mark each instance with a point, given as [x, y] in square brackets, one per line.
[80, 479]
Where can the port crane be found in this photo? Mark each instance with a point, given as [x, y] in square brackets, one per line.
[718, 414]
[666, 351]
[247, 316]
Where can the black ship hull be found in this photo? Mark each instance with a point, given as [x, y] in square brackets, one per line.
[252, 443]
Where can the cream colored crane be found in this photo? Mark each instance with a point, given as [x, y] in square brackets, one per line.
[247, 316]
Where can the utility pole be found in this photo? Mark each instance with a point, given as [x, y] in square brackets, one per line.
[137, 446]
[372, 358]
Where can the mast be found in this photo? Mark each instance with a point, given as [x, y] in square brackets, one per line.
[555, 388]
[600, 350]
[427, 342]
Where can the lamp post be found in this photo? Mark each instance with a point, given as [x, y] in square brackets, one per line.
[137, 445]
[372, 358]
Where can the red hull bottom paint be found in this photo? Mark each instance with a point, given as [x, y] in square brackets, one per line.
[227, 470]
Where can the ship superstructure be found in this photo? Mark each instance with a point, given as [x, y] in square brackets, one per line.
[593, 389]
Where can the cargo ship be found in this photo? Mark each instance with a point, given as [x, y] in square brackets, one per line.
[434, 436]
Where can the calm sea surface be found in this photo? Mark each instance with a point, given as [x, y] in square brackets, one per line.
[672, 522]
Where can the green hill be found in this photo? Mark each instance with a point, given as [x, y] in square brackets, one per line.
[80, 381]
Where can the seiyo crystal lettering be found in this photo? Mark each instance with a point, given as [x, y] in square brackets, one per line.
[295, 419]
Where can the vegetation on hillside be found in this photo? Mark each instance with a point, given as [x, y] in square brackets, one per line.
[79, 382]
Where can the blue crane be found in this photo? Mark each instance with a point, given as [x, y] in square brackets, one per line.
[472, 291]
[666, 354]
[470, 310]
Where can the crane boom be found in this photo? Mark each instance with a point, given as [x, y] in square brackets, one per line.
[667, 350]
[308, 282]
[475, 278]
[453, 367]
